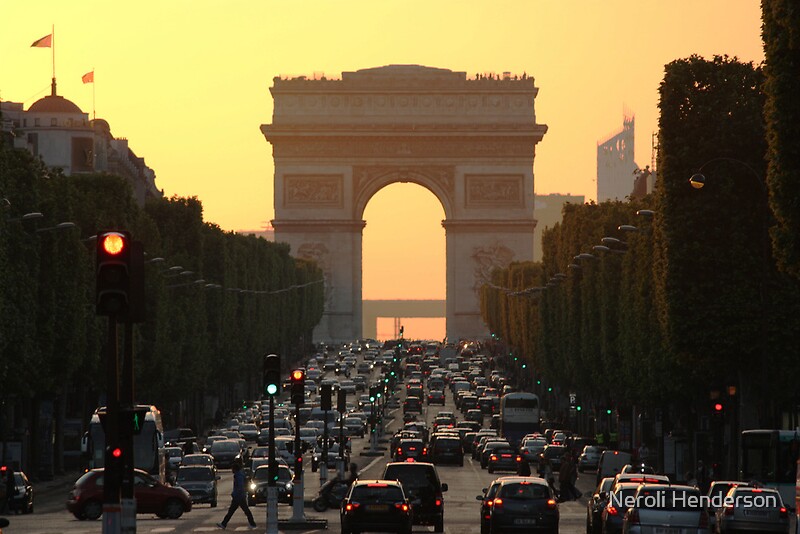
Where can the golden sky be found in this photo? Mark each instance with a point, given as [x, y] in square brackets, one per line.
[187, 83]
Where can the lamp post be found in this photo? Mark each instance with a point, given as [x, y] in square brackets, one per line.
[739, 397]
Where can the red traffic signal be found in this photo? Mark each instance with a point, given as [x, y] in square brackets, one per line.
[113, 273]
[298, 378]
[718, 407]
[298, 374]
[116, 452]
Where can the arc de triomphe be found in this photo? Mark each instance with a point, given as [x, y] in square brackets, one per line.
[470, 142]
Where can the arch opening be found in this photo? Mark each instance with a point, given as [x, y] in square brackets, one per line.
[404, 277]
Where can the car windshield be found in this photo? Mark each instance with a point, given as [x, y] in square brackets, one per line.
[225, 446]
[412, 477]
[524, 491]
[194, 474]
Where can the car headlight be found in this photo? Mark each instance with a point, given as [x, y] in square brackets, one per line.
[253, 486]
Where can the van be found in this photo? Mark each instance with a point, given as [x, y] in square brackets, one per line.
[424, 490]
[611, 463]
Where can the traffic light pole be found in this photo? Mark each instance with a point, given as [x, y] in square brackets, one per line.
[111, 485]
[128, 501]
[323, 470]
[272, 488]
[298, 514]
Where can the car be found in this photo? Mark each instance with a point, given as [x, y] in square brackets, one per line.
[504, 458]
[410, 448]
[611, 463]
[380, 505]
[22, 500]
[594, 508]
[354, 426]
[487, 501]
[489, 447]
[152, 497]
[618, 501]
[200, 481]
[198, 459]
[716, 496]
[412, 405]
[474, 415]
[421, 484]
[249, 431]
[553, 454]
[436, 396]
[638, 468]
[259, 481]
[364, 368]
[523, 504]
[174, 457]
[589, 457]
[447, 449]
[226, 452]
[679, 507]
[333, 457]
[531, 448]
[749, 509]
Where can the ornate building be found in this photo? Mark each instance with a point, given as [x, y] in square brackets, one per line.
[471, 142]
[56, 130]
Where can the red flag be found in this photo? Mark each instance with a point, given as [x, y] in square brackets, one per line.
[44, 42]
[88, 77]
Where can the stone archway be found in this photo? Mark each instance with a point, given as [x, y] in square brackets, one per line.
[470, 142]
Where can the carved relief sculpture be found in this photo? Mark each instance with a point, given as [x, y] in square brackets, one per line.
[488, 258]
[313, 191]
[494, 190]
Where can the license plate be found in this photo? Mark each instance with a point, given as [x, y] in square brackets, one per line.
[667, 530]
[377, 508]
[524, 521]
[759, 513]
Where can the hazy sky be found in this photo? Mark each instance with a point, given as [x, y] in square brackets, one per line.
[187, 83]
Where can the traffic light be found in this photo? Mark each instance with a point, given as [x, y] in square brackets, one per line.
[578, 408]
[113, 273]
[298, 386]
[325, 392]
[272, 374]
[114, 461]
[298, 463]
[373, 393]
[341, 401]
[608, 411]
[718, 408]
[132, 420]
[401, 330]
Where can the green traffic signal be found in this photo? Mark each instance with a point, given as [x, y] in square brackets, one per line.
[608, 411]
[524, 365]
[550, 389]
[578, 407]
[538, 382]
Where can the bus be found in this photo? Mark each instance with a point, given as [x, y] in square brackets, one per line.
[519, 415]
[769, 457]
[148, 446]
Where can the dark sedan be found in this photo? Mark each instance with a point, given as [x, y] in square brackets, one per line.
[257, 488]
[200, 481]
[376, 505]
[524, 504]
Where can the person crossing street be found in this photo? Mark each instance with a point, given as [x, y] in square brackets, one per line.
[238, 498]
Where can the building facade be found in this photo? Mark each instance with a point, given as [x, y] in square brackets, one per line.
[56, 130]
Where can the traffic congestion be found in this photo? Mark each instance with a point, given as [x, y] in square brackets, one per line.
[417, 436]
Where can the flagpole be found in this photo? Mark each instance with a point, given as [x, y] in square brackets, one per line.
[53, 50]
[93, 86]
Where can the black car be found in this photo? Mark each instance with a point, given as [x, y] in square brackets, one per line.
[487, 501]
[226, 452]
[257, 487]
[436, 397]
[447, 449]
[553, 454]
[372, 505]
[411, 448]
[594, 508]
[200, 481]
[23, 496]
[424, 490]
[412, 405]
[504, 458]
[524, 504]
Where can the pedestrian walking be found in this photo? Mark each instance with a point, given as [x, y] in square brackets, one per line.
[238, 498]
[566, 475]
[546, 472]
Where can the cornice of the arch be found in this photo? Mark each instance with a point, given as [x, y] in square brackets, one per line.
[369, 179]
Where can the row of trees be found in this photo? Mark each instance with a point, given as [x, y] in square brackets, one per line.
[691, 301]
[197, 341]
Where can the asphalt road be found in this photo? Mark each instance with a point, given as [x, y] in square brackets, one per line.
[461, 506]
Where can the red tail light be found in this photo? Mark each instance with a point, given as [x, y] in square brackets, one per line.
[493, 457]
[401, 506]
[551, 503]
[506, 455]
[351, 506]
[519, 458]
[784, 512]
[438, 502]
[498, 503]
[612, 510]
[399, 450]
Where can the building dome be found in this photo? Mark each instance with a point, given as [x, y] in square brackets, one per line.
[54, 104]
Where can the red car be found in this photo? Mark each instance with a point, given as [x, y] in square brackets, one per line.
[152, 497]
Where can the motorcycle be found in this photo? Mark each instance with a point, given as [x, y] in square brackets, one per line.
[330, 495]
